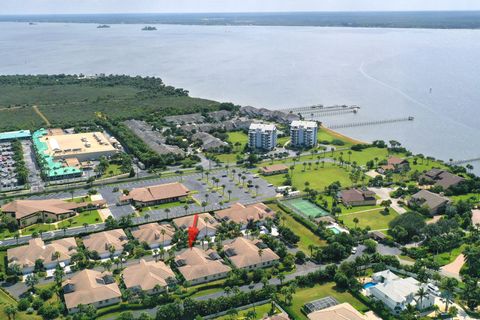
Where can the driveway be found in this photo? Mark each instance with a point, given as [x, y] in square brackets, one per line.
[384, 194]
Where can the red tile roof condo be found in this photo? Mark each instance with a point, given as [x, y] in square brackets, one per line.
[242, 214]
[157, 194]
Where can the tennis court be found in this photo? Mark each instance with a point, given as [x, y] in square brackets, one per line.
[306, 208]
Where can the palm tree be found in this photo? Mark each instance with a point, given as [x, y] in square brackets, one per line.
[256, 190]
[167, 211]
[10, 311]
[16, 236]
[281, 277]
[85, 225]
[147, 216]
[31, 281]
[204, 204]
[355, 220]
[229, 194]
[448, 285]
[162, 232]
[260, 254]
[421, 294]
[185, 207]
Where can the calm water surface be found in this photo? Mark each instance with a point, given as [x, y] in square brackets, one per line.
[388, 72]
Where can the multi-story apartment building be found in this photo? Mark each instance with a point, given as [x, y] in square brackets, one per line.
[262, 136]
[303, 133]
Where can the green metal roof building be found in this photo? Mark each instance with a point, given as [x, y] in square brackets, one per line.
[15, 135]
[52, 170]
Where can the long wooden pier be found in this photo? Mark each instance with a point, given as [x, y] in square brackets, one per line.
[321, 109]
[369, 123]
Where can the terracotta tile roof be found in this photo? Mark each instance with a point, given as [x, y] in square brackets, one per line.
[151, 233]
[25, 256]
[205, 220]
[241, 214]
[89, 286]
[147, 275]
[25, 208]
[196, 263]
[395, 161]
[243, 252]
[100, 242]
[157, 193]
[343, 311]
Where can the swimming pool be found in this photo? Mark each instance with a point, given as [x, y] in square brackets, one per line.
[369, 285]
[335, 230]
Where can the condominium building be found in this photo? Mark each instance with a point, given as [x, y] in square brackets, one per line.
[303, 133]
[262, 136]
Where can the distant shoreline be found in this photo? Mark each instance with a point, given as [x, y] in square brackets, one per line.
[398, 20]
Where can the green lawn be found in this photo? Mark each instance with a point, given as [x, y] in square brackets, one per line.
[112, 170]
[5, 300]
[163, 206]
[470, 197]
[281, 141]
[234, 137]
[261, 311]
[6, 234]
[3, 261]
[89, 217]
[424, 165]
[447, 257]
[305, 295]
[374, 219]
[318, 179]
[79, 199]
[237, 136]
[357, 209]
[39, 227]
[307, 237]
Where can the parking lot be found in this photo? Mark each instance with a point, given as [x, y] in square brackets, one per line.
[201, 193]
[8, 174]
[192, 181]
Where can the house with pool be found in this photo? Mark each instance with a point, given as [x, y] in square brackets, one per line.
[397, 293]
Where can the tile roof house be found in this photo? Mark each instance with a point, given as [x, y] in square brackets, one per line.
[344, 311]
[442, 178]
[435, 203]
[394, 164]
[90, 287]
[148, 276]
[28, 212]
[274, 169]
[154, 234]
[397, 293]
[245, 214]
[207, 225]
[357, 197]
[208, 141]
[199, 266]
[25, 256]
[246, 254]
[101, 242]
[147, 196]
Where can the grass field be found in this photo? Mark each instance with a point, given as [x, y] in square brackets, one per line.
[447, 257]
[234, 137]
[112, 170]
[374, 219]
[305, 295]
[5, 300]
[89, 217]
[329, 135]
[470, 197]
[261, 311]
[307, 237]
[318, 179]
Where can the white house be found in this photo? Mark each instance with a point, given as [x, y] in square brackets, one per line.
[397, 293]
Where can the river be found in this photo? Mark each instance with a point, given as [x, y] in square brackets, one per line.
[433, 75]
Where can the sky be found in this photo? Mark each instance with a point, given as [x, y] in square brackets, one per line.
[166, 6]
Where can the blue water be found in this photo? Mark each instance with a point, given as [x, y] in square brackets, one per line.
[387, 72]
[369, 284]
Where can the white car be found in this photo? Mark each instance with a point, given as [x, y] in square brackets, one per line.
[354, 250]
